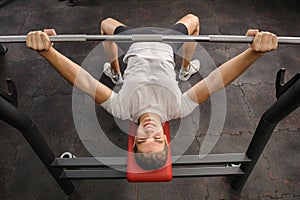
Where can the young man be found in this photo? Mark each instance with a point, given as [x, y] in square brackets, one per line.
[150, 94]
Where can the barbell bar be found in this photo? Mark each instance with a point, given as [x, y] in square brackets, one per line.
[149, 38]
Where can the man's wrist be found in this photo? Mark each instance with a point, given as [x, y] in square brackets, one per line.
[46, 53]
[255, 53]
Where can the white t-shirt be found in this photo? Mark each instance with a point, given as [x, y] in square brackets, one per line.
[149, 85]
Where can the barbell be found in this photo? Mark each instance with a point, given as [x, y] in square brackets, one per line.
[149, 38]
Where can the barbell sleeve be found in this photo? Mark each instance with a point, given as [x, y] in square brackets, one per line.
[57, 38]
[149, 38]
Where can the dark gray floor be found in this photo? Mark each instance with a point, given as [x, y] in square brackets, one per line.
[47, 98]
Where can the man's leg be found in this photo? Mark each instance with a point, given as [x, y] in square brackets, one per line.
[192, 24]
[108, 27]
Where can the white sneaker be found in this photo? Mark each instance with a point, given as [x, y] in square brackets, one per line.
[115, 78]
[186, 73]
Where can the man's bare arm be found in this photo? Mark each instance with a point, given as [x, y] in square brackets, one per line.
[72, 72]
[229, 71]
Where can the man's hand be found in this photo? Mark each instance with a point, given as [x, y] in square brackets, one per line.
[39, 40]
[263, 41]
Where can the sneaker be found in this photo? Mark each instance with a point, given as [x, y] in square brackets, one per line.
[186, 73]
[115, 78]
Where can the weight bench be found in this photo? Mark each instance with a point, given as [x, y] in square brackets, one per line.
[64, 169]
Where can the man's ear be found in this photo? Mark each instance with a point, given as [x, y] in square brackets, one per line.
[135, 139]
[166, 139]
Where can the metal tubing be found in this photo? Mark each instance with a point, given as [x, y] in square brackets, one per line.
[149, 38]
[286, 104]
[229, 158]
[178, 172]
[12, 116]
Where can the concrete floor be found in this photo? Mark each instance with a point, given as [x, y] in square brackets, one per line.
[47, 98]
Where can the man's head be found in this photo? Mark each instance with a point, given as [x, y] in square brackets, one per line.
[150, 146]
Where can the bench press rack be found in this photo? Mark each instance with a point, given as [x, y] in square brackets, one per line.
[63, 170]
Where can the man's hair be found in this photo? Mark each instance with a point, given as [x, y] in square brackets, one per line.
[151, 160]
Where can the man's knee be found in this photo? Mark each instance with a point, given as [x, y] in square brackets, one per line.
[105, 25]
[108, 26]
[193, 18]
[192, 22]
[105, 22]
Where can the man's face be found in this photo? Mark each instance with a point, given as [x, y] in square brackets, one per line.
[150, 136]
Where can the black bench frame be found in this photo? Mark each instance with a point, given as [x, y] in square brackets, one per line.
[239, 165]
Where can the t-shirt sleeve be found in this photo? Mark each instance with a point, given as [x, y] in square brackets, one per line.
[187, 105]
[113, 106]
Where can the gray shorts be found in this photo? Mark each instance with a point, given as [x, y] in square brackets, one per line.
[177, 29]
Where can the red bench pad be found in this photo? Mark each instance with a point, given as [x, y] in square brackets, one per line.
[135, 173]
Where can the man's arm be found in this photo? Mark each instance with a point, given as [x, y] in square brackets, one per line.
[72, 72]
[229, 71]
